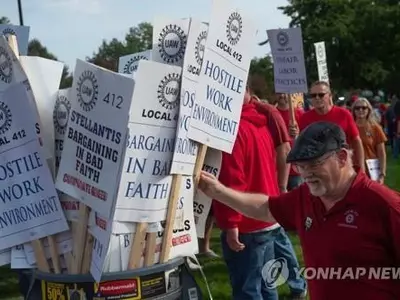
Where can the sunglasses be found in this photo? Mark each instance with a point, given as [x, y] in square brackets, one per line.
[319, 95]
[361, 108]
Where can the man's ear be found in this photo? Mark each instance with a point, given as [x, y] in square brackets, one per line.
[343, 156]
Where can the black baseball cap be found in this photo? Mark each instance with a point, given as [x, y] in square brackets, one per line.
[316, 140]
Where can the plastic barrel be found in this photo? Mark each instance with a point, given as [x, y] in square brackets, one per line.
[169, 281]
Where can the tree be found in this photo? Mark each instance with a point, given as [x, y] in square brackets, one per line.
[139, 38]
[262, 77]
[361, 37]
[4, 20]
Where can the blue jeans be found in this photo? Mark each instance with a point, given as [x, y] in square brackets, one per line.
[245, 267]
[284, 249]
[293, 182]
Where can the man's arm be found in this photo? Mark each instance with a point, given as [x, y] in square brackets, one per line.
[283, 168]
[359, 152]
[254, 206]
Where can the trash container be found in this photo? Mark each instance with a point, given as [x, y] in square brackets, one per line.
[169, 281]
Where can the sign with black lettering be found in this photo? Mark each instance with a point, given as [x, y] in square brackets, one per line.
[202, 203]
[169, 40]
[101, 231]
[320, 55]
[95, 136]
[222, 81]
[29, 204]
[287, 52]
[185, 150]
[11, 72]
[22, 34]
[145, 184]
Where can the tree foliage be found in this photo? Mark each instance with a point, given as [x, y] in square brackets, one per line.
[362, 39]
[139, 38]
[262, 77]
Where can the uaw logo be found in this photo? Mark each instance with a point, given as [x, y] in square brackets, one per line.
[234, 28]
[88, 90]
[6, 67]
[8, 31]
[5, 118]
[198, 53]
[132, 64]
[172, 43]
[61, 114]
[168, 91]
[282, 38]
[200, 47]
[275, 272]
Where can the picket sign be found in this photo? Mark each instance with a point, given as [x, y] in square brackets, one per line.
[163, 30]
[41, 261]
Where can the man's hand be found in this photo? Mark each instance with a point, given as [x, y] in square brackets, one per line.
[232, 239]
[210, 185]
[381, 179]
[293, 130]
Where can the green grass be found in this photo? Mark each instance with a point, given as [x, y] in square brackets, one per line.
[215, 270]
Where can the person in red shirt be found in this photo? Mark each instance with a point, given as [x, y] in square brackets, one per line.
[283, 247]
[280, 137]
[348, 225]
[324, 110]
[247, 244]
[283, 108]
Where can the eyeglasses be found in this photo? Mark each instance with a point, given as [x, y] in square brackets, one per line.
[361, 108]
[313, 165]
[319, 95]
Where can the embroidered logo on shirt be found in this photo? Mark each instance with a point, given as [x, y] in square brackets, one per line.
[350, 219]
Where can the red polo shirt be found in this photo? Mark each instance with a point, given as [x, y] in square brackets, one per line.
[362, 230]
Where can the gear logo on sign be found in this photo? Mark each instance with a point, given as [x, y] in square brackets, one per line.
[234, 28]
[88, 90]
[5, 118]
[169, 90]
[61, 114]
[282, 38]
[200, 47]
[8, 31]
[275, 272]
[172, 43]
[132, 64]
[6, 67]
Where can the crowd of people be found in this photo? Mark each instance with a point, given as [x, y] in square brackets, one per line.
[305, 174]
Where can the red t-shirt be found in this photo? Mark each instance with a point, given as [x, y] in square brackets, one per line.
[362, 230]
[286, 118]
[275, 123]
[338, 115]
[249, 168]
